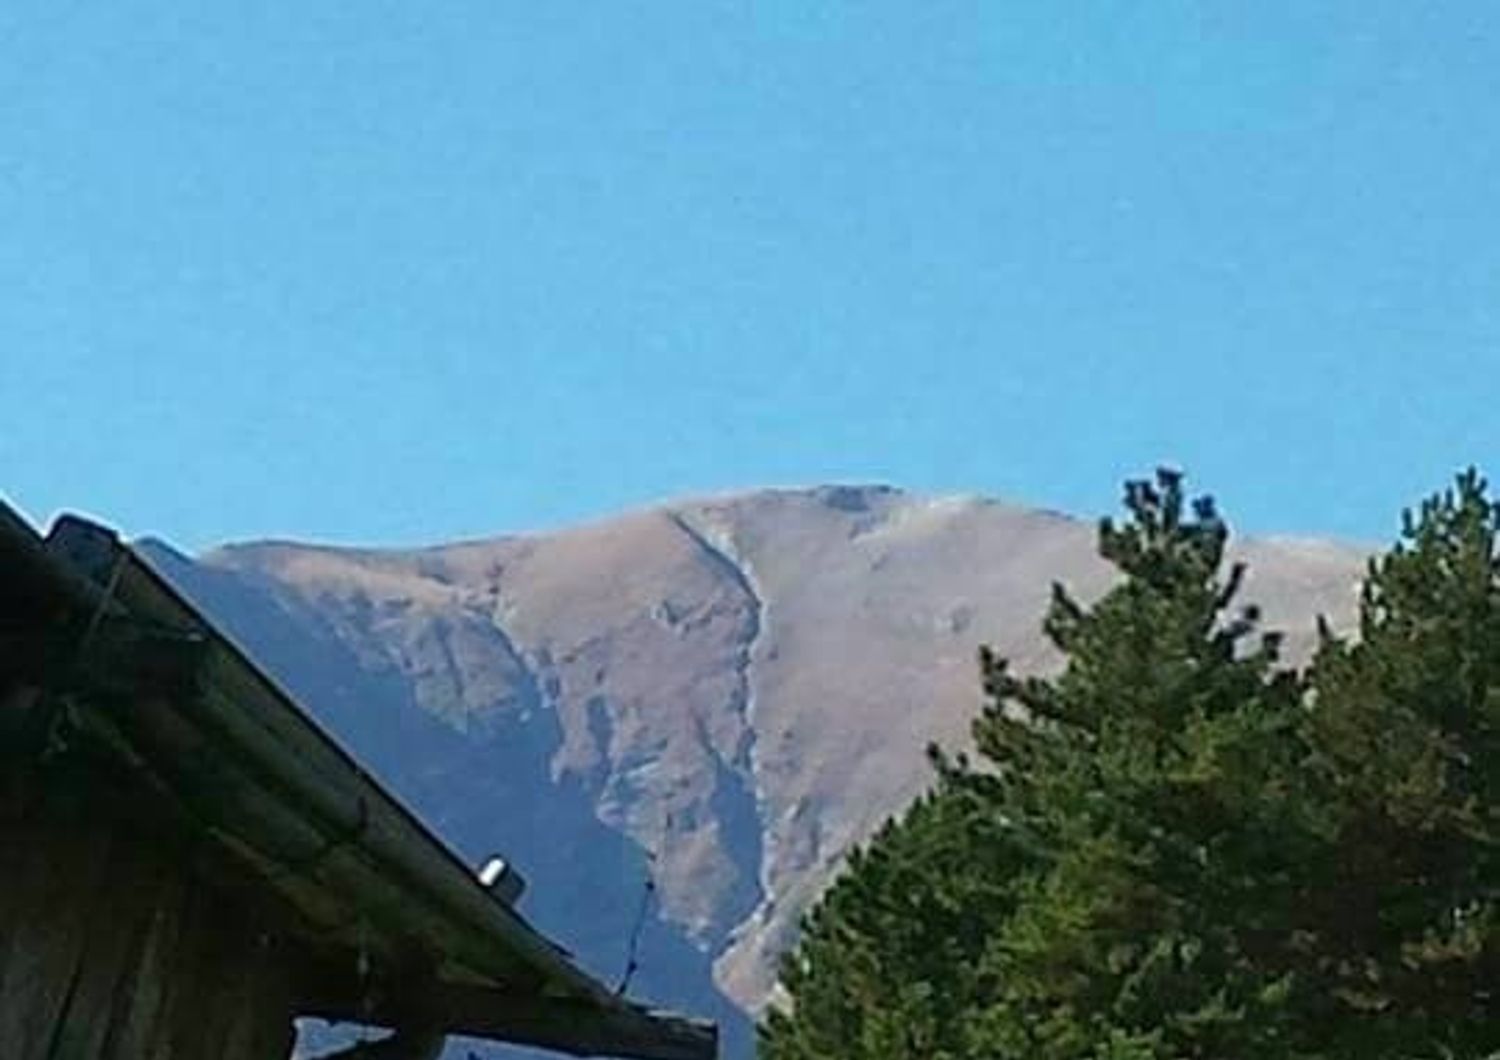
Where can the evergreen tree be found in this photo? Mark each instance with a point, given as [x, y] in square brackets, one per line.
[1403, 900]
[1178, 848]
[1149, 775]
[888, 965]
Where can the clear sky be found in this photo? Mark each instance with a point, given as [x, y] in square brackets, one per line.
[386, 271]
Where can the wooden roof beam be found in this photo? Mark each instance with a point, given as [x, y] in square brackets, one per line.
[563, 1025]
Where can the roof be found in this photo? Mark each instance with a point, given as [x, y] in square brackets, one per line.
[400, 931]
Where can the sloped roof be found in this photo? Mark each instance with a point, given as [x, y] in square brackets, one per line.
[398, 930]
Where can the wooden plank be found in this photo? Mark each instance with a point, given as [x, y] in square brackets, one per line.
[49, 935]
[261, 1028]
[27, 975]
[229, 991]
[561, 1024]
[138, 1029]
[202, 984]
[118, 920]
[19, 839]
[114, 946]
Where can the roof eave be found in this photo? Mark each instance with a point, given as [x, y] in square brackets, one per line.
[537, 995]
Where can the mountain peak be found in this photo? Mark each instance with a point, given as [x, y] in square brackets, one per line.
[725, 692]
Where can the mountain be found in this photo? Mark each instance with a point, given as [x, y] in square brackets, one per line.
[721, 696]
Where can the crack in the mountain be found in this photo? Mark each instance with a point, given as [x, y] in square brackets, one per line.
[723, 555]
[442, 634]
[534, 697]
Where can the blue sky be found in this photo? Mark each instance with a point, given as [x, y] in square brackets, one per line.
[396, 272]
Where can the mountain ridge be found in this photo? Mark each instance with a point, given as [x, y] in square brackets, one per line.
[725, 692]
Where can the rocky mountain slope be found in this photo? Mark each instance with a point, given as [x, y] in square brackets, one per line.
[721, 696]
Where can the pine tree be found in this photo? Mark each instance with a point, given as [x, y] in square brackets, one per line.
[1107, 802]
[1150, 774]
[1177, 847]
[887, 965]
[1403, 900]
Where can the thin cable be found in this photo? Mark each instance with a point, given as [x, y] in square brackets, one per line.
[632, 955]
[55, 699]
[106, 598]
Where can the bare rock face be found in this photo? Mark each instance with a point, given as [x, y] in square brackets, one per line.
[723, 695]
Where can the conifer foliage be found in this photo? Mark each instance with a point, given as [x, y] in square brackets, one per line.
[1178, 846]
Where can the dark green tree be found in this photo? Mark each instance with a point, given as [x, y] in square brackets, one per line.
[1150, 776]
[1403, 931]
[1105, 803]
[890, 962]
[1179, 848]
